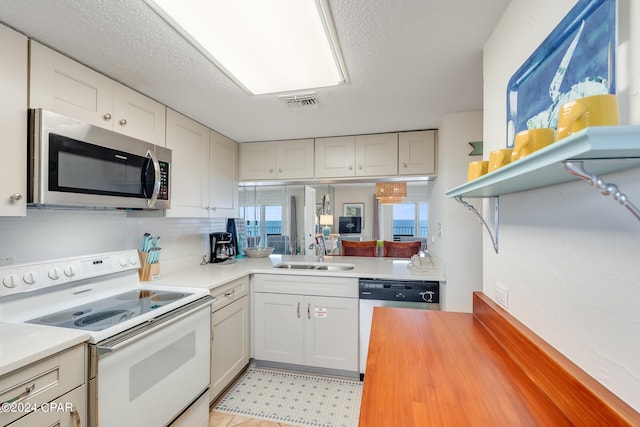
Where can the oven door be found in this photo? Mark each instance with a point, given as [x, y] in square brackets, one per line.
[150, 378]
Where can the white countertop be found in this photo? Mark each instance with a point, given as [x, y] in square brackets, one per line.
[214, 275]
[22, 344]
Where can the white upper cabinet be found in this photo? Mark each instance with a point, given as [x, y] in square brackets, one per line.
[295, 159]
[258, 160]
[64, 86]
[223, 159]
[292, 159]
[353, 156]
[335, 157]
[61, 85]
[13, 122]
[204, 170]
[377, 155]
[138, 116]
[189, 142]
[417, 153]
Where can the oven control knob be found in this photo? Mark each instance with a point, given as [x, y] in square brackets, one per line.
[133, 260]
[55, 273]
[124, 262]
[10, 281]
[69, 271]
[30, 277]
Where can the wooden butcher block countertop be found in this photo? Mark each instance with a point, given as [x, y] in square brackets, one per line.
[430, 368]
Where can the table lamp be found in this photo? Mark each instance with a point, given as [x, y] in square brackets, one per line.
[326, 221]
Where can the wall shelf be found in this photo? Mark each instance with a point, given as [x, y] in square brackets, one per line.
[604, 149]
[609, 145]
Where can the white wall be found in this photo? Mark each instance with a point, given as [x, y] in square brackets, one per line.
[568, 255]
[46, 234]
[460, 245]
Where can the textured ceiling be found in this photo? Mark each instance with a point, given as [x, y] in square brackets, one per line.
[409, 62]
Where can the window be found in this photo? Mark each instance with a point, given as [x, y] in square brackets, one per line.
[410, 219]
[262, 222]
[254, 215]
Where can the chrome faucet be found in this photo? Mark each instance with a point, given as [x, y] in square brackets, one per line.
[317, 252]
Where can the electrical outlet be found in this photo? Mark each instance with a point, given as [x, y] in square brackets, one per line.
[502, 296]
[439, 229]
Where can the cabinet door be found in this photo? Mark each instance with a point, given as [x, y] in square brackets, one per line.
[223, 197]
[335, 157]
[189, 142]
[331, 332]
[258, 160]
[137, 116]
[377, 154]
[230, 346]
[61, 85]
[417, 153]
[13, 119]
[279, 328]
[295, 159]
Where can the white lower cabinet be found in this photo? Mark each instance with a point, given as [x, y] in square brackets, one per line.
[230, 347]
[49, 392]
[310, 321]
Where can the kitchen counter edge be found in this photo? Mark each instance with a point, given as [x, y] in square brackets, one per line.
[24, 344]
[213, 275]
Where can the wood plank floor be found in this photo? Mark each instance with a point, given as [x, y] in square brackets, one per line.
[221, 419]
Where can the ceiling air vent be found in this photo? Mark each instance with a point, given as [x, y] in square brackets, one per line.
[300, 101]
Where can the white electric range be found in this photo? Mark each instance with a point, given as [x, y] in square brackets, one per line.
[149, 345]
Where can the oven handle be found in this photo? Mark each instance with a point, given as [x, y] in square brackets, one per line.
[134, 334]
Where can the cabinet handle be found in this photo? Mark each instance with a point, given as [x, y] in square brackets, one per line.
[123, 122]
[16, 197]
[28, 389]
[107, 117]
[298, 310]
[350, 168]
[270, 170]
[360, 167]
[76, 416]
[280, 170]
[230, 293]
[404, 165]
[309, 311]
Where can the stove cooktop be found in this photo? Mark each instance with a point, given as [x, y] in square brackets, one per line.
[100, 294]
[105, 313]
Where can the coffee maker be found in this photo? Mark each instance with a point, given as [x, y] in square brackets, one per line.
[221, 247]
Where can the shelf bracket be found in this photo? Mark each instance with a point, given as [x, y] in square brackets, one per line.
[576, 168]
[494, 240]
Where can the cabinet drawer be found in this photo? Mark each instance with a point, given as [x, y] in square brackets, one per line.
[345, 287]
[68, 410]
[229, 292]
[42, 381]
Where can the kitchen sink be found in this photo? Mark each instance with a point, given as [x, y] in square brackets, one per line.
[314, 266]
[296, 266]
[334, 267]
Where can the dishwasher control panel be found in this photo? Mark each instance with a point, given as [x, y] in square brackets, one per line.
[425, 291]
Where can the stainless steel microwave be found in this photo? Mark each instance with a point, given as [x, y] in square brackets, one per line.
[75, 164]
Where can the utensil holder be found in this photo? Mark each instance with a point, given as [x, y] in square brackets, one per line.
[148, 272]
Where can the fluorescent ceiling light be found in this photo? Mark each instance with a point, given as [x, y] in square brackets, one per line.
[265, 46]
